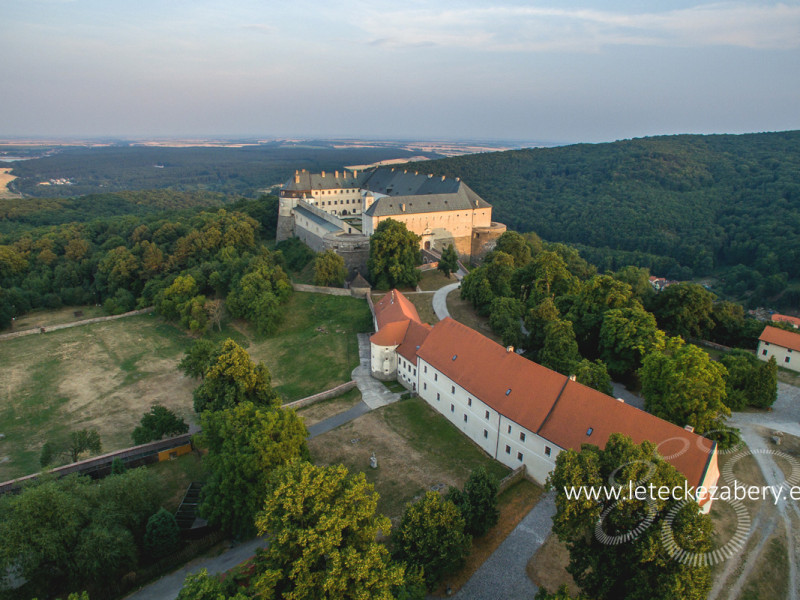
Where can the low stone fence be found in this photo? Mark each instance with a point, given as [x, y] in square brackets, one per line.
[49, 328]
[506, 482]
[331, 291]
[326, 395]
[708, 344]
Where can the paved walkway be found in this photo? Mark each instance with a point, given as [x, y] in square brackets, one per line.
[503, 574]
[168, 587]
[373, 393]
[440, 300]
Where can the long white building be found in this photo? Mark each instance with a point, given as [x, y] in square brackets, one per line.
[517, 411]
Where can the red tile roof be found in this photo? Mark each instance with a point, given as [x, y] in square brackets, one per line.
[415, 336]
[781, 337]
[580, 408]
[390, 334]
[786, 319]
[394, 307]
[549, 404]
[487, 370]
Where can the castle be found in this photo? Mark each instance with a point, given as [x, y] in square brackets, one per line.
[341, 210]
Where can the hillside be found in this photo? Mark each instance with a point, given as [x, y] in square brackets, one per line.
[685, 206]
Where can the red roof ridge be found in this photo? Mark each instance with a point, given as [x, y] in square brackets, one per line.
[780, 337]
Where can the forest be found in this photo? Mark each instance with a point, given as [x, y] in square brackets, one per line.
[684, 206]
[245, 170]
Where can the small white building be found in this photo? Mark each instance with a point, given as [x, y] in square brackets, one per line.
[518, 411]
[783, 345]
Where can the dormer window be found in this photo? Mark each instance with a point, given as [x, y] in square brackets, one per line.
[508, 391]
[589, 431]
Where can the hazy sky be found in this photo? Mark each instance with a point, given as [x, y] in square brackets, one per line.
[558, 70]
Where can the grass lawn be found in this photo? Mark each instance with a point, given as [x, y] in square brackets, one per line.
[45, 318]
[417, 450]
[101, 376]
[104, 376]
[423, 302]
[315, 347]
[463, 312]
[435, 279]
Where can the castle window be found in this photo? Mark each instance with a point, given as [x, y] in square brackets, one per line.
[452, 408]
[485, 434]
[547, 450]
[424, 386]
[487, 415]
[437, 396]
[436, 377]
[521, 437]
[469, 401]
[508, 449]
[519, 456]
[452, 389]
[465, 418]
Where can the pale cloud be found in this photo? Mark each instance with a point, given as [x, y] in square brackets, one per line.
[261, 28]
[530, 29]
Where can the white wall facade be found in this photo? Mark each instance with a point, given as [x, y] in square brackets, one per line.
[785, 357]
[485, 426]
[383, 361]
[407, 373]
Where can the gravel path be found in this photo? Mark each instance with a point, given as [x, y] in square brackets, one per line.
[503, 574]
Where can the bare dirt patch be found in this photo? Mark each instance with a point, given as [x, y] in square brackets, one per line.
[102, 376]
[5, 178]
[327, 408]
[548, 567]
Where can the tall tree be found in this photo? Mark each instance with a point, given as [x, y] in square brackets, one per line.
[393, 256]
[157, 423]
[233, 378]
[642, 567]
[516, 246]
[684, 386]
[329, 269]
[504, 319]
[593, 374]
[684, 309]
[559, 350]
[257, 296]
[431, 536]
[85, 440]
[750, 381]
[322, 525]
[245, 443]
[477, 502]
[587, 308]
[627, 335]
[448, 263]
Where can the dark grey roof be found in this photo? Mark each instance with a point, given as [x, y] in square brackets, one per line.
[316, 218]
[419, 192]
[359, 282]
[315, 181]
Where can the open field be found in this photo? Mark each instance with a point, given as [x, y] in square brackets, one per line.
[102, 376]
[417, 450]
[435, 279]
[315, 347]
[327, 408]
[106, 375]
[463, 312]
[45, 318]
[5, 178]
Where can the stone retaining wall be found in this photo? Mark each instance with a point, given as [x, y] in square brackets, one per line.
[326, 395]
[516, 475]
[75, 324]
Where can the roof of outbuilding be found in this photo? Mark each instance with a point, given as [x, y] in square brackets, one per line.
[390, 334]
[786, 319]
[781, 337]
[549, 404]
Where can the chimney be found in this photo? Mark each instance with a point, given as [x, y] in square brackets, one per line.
[458, 178]
[620, 400]
[405, 171]
[689, 428]
[403, 208]
[509, 348]
[430, 175]
[573, 377]
[443, 177]
[297, 178]
[416, 172]
[355, 173]
[336, 174]
[323, 174]
[296, 171]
